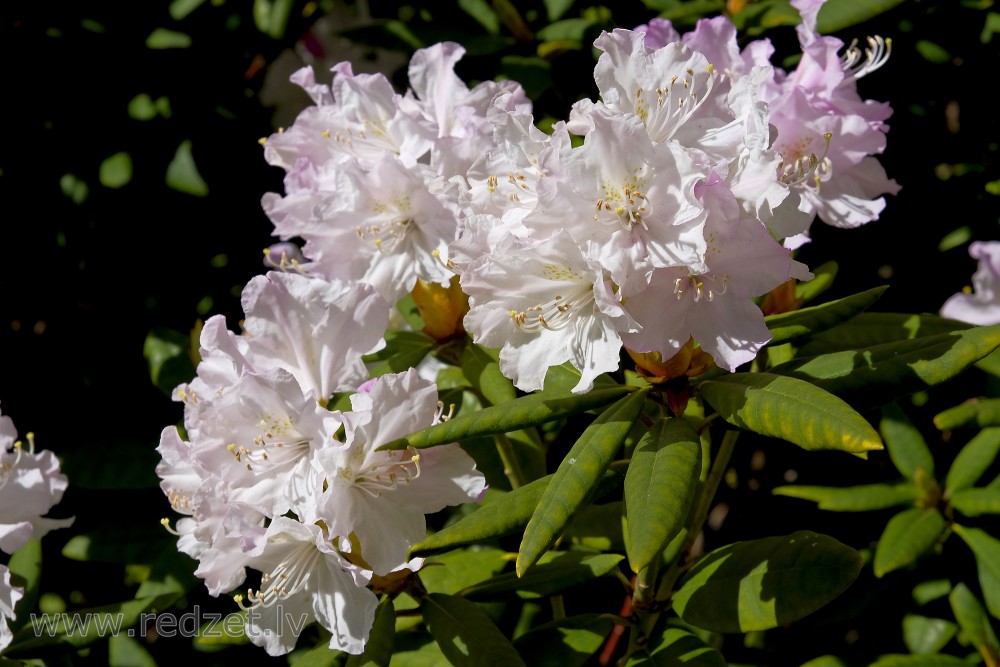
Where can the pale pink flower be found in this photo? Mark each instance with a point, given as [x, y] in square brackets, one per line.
[979, 304]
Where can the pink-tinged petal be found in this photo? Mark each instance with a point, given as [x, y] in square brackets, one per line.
[979, 304]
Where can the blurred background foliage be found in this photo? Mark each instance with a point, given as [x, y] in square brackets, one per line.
[132, 178]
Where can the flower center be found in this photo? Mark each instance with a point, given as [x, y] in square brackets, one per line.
[279, 445]
[558, 311]
[701, 287]
[387, 236]
[386, 472]
[857, 65]
[799, 164]
[286, 579]
[623, 206]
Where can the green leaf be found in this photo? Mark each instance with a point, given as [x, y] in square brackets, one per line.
[505, 514]
[853, 498]
[568, 642]
[869, 329]
[825, 661]
[981, 412]
[229, 631]
[161, 38]
[923, 634]
[907, 449]
[836, 15]
[182, 173]
[484, 15]
[676, 646]
[548, 577]
[806, 321]
[123, 651]
[906, 537]
[790, 409]
[119, 543]
[466, 635]
[973, 460]
[181, 8]
[462, 568]
[378, 648]
[955, 238]
[875, 375]
[85, 626]
[482, 370]
[928, 591]
[26, 563]
[976, 502]
[660, 486]
[932, 52]
[116, 171]
[974, 622]
[987, 551]
[167, 357]
[403, 350]
[599, 527]
[762, 584]
[823, 276]
[512, 416]
[578, 473]
[74, 188]
[271, 16]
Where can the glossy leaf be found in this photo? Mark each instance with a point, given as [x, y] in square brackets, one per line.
[790, 409]
[762, 584]
[505, 515]
[466, 635]
[568, 642]
[676, 647]
[578, 473]
[981, 412]
[973, 460]
[907, 449]
[869, 329]
[403, 350]
[807, 321]
[976, 502]
[879, 374]
[462, 568]
[974, 622]
[987, 551]
[547, 577]
[660, 486]
[853, 498]
[482, 370]
[906, 537]
[923, 634]
[823, 276]
[512, 416]
[378, 648]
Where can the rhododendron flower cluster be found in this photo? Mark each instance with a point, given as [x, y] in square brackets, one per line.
[30, 485]
[271, 479]
[651, 217]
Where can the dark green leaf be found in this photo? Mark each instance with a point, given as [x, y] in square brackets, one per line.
[403, 350]
[987, 551]
[123, 651]
[483, 13]
[981, 412]
[762, 584]
[975, 457]
[578, 473]
[933, 660]
[548, 577]
[973, 619]
[839, 14]
[853, 498]
[512, 416]
[922, 634]
[806, 321]
[466, 634]
[676, 647]
[907, 449]
[569, 642]
[378, 648]
[869, 329]
[876, 375]
[659, 488]
[790, 409]
[906, 537]
[823, 276]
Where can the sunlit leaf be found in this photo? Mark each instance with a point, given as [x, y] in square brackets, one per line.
[981, 412]
[973, 460]
[853, 498]
[512, 416]
[116, 171]
[762, 584]
[790, 409]
[182, 174]
[578, 473]
[806, 321]
[676, 647]
[906, 537]
[466, 634]
[869, 329]
[976, 502]
[922, 634]
[660, 487]
[568, 642]
[548, 577]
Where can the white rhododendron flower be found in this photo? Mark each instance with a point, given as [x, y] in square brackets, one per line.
[980, 303]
